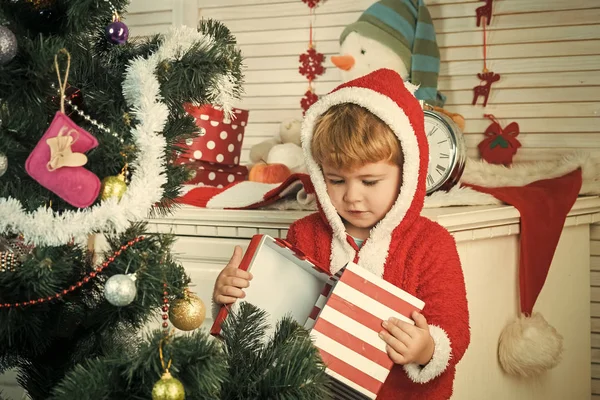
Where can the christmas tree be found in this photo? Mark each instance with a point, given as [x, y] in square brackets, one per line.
[90, 124]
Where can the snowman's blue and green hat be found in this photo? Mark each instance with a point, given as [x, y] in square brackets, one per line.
[405, 26]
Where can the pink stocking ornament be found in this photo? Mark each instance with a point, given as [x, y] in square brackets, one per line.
[57, 160]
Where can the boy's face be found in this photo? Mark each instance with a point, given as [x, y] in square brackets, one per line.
[363, 196]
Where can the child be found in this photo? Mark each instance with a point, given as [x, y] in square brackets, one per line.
[367, 155]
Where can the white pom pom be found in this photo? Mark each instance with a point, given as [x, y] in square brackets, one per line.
[529, 346]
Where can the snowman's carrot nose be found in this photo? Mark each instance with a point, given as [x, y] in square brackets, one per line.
[345, 62]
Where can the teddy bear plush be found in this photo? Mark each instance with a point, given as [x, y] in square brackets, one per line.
[284, 148]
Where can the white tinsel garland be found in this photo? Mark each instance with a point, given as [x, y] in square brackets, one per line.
[142, 92]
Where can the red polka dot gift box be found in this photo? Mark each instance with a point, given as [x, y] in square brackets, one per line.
[210, 174]
[220, 139]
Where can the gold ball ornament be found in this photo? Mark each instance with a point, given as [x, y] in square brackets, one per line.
[113, 186]
[188, 313]
[168, 388]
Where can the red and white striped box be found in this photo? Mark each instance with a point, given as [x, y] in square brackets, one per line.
[220, 139]
[346, 329]
[343, 312]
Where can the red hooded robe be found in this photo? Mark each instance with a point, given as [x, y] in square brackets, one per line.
[406, 249]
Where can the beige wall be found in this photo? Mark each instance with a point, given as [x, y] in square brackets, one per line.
[548, 53]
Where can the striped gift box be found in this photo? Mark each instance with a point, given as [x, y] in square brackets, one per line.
[345, 324]
[344, 312]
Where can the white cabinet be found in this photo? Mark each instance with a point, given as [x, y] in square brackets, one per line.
[488, 244]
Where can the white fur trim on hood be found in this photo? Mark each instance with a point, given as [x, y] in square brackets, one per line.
[375, 250]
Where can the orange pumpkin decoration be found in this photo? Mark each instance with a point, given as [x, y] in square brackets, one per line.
[269, 173]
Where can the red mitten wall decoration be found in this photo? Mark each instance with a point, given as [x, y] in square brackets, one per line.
[499, 145]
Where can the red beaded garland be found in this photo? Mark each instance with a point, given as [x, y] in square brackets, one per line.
[77, 285]
[165, 309]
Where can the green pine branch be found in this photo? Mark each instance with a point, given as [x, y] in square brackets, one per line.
[80, 346]
[284, 366]
[130, 372]
[245, 365]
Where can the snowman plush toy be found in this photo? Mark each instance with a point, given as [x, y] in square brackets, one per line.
[399, 35]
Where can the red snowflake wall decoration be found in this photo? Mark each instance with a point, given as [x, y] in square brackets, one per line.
[308, 100]
[311, 64]
[311, 3]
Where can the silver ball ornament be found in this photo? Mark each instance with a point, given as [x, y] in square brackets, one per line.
[8, 45]
[3, 163]
[120, 290]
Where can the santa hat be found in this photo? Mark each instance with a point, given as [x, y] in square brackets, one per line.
[405, 26]
[529, 345]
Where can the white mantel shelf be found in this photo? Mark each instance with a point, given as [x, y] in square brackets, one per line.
[464, 222]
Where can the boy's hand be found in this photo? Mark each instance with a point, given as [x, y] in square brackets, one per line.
[408, 343]
[229, 283]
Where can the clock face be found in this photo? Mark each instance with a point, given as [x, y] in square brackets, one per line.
[442, 151]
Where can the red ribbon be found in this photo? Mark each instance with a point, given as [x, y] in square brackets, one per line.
[509, 133]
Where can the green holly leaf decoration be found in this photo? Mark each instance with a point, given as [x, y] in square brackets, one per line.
[499, 141]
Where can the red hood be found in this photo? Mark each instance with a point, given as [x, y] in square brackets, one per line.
[384, 94]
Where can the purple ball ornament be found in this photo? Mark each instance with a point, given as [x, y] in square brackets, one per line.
[117, 32]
